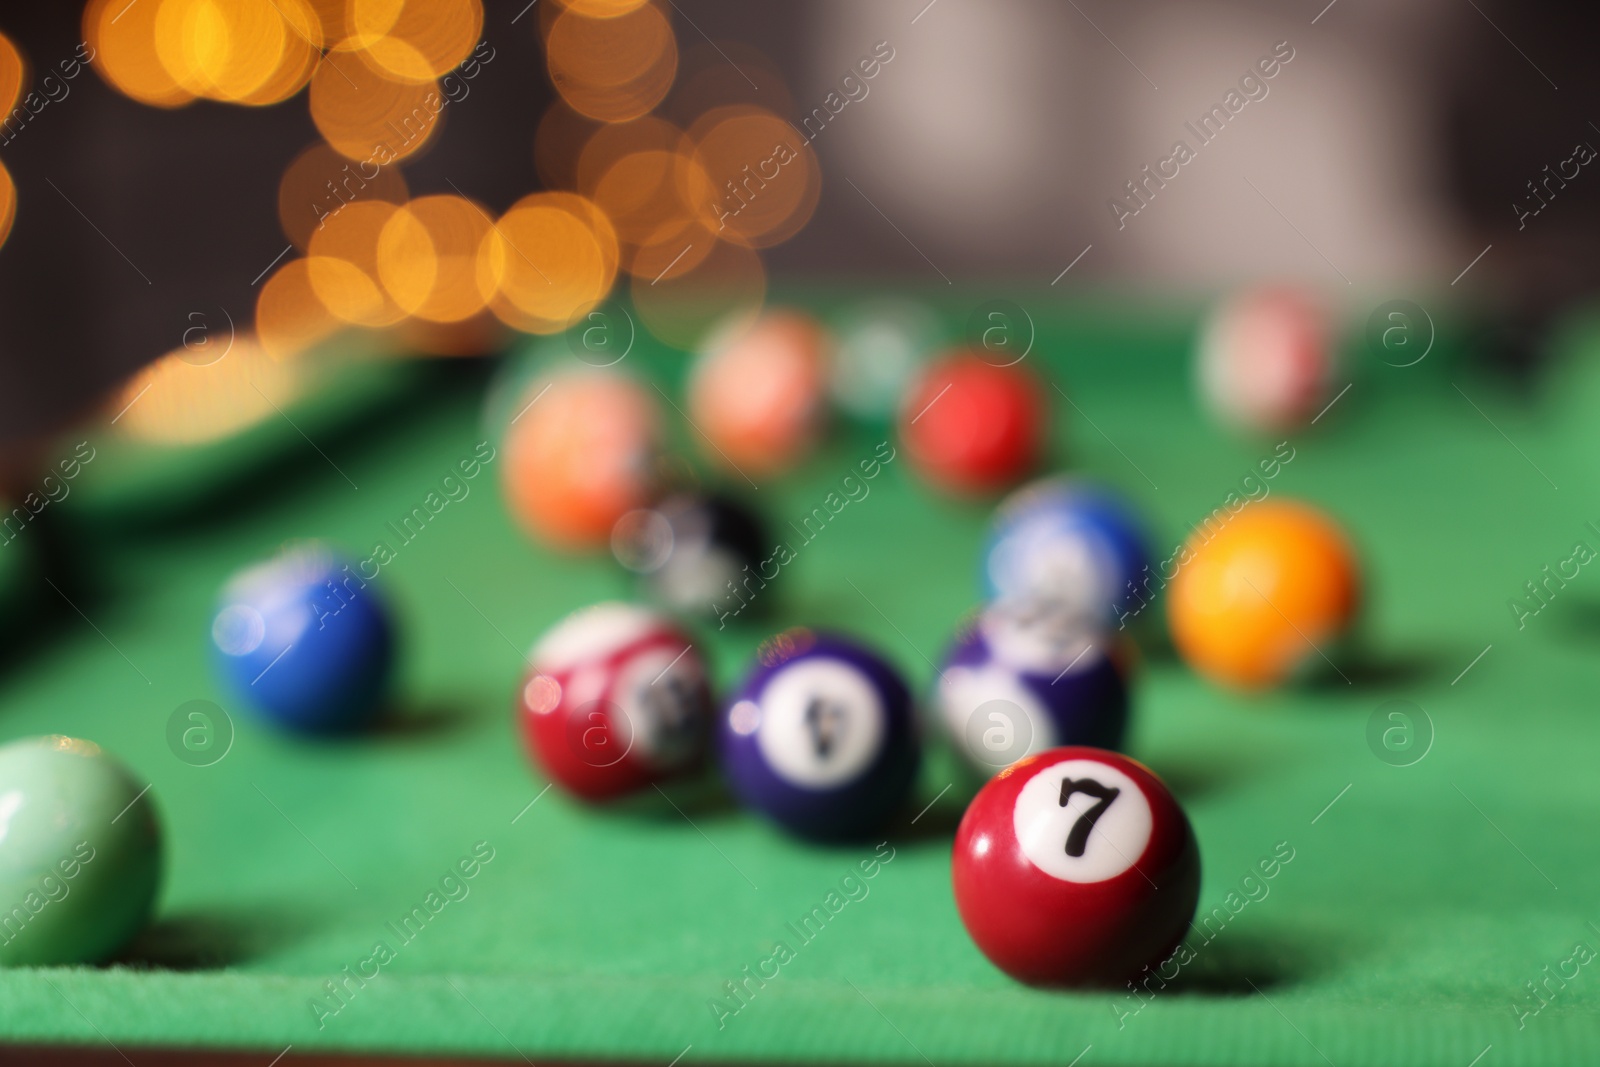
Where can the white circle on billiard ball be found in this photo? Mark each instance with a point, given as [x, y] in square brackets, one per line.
[1059, 557]
[593, 634]
[1042, 636]
[993, 715]
[822, 722]
[1081, 820]
[659, 691]
[699, 576]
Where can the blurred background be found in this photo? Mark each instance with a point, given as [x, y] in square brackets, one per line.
[178, 169]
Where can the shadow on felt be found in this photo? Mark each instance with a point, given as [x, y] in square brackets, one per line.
[1238, 963]
[209, 939]
[1197, 772]
[1371, 668]
[702, 796]
[57, 588]
[1574, 618]
[408, 722]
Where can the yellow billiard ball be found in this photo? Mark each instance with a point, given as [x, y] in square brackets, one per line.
[1264, 596]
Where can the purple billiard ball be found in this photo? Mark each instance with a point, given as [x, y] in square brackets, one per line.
[1029, 675]
[821, 737]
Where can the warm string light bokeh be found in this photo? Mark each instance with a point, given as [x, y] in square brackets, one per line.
[12, 72]
[668, 169]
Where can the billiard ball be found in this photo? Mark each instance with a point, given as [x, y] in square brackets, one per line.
[756, 393]
[616, 700]
[882, 342]
[973, 426]
[1069, 540]
[1265, 596]
[696, 553]
[581, 451]
[821, 737]
[1075, 866]
[1266, 359]
[1028, 675]
[80, 855]
[306, 640]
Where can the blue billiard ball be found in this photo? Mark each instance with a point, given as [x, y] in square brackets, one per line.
[821, 737]
[1031, 675]
[1070, 540]
[306, 641]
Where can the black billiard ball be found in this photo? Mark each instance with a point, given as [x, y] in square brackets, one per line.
[696, 553]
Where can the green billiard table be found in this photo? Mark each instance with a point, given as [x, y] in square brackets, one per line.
[1422, 805]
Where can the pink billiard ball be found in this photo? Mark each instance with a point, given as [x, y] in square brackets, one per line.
[617, 700]
[1266, 360]
[1075, 867]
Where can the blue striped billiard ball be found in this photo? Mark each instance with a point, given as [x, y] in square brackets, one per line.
[1070, 540]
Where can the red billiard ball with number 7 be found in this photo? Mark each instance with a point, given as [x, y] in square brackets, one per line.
[1076, 867]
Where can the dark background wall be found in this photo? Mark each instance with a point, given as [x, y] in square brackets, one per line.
[1391, 149]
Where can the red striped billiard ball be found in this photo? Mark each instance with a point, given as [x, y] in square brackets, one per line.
[1075, 867]
[1266, 360]
[617, 700]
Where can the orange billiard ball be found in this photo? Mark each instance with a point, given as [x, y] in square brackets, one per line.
[581, 452]
[1265, 596]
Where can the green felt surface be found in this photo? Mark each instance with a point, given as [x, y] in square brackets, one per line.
[1419, 900]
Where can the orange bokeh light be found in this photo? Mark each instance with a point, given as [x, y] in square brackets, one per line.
[302, 54]
[413, 41]
[612, 69]
[8, 203]
[766, 176]
[290, 316]
[644, 175]
[321, 181]
[334, 15]
[123, 37]
[242, 51]
[167, 52]
[428, 254]
[602, 9]
[609, 143]
[656, 200]
[12, 69]
[368, 116]
[549, 259]
[343, 265]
